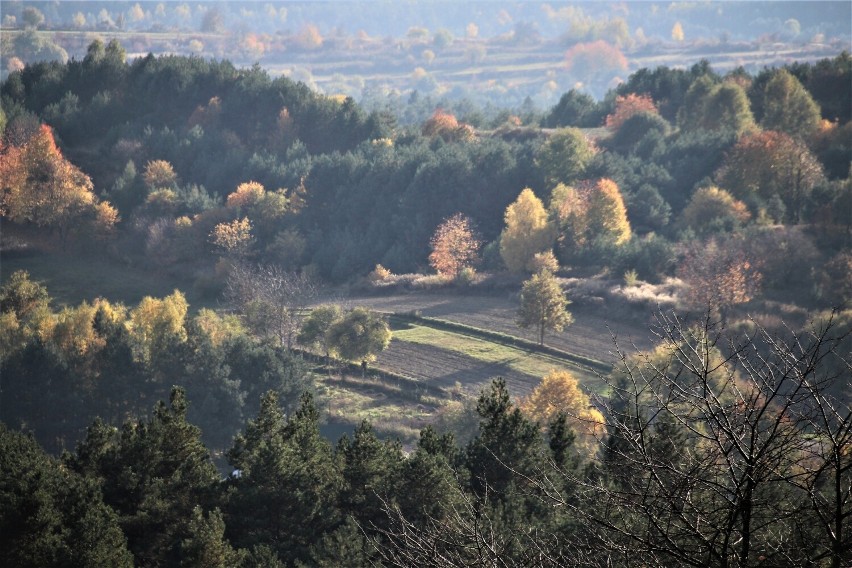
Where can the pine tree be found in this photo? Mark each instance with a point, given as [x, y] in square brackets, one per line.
[285, 484]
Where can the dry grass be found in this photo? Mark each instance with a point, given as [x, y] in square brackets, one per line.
[351, 400]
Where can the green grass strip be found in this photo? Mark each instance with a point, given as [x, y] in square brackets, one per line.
[591, 365]
[486, 351]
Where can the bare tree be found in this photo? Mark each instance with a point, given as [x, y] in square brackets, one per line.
[271, 299]
[469, 535]
[722, 451]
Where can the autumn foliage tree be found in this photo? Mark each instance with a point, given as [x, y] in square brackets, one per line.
[712, 207]
[233, 238]
[719, 276]
[595, 60]
[528, 231]
[606, 213]
[454, 245]
[159, 174]
[627, 106]
[447, 126]
[771, 164]
[543, 305]
[560, 392]
[40, 186]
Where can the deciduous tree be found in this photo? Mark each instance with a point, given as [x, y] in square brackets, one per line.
[543, 305]
[316, 326]
[719, 276]
[42, 187]
[564, 156]
[454, 245]
[627, 106]
[606, 213]
[711, 207]
[270, 298]
[560, 392]
[159, 174]
[528, 231]
[788, 107]
[359, 336]
[768, 164]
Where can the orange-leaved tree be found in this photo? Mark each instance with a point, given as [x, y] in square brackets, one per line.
[597, 59]
[771, 164]
[454, 245]
[627, 106]
[560, 392]
[40, 186]
[719, 276]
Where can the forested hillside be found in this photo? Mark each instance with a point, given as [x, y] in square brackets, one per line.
[723, 198]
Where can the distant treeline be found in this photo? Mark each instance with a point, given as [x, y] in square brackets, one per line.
[172, 142]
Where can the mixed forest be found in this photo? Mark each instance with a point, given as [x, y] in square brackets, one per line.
[150, 432]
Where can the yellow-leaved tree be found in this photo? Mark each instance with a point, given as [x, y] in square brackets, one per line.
[559, 392]
[528, 231]
[156, 324]
[606, 213]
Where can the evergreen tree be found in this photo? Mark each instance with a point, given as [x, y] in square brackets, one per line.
[205, 545]
[153, 473]
[50, 516]
[285, 484]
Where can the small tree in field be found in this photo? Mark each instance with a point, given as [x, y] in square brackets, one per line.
[543, 305]
[359, 336]
[454, 245]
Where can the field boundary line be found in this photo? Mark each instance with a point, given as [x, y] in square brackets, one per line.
[588, 363]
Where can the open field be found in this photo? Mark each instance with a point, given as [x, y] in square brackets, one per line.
[476, 66]
[591, 335]
[444, 358]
